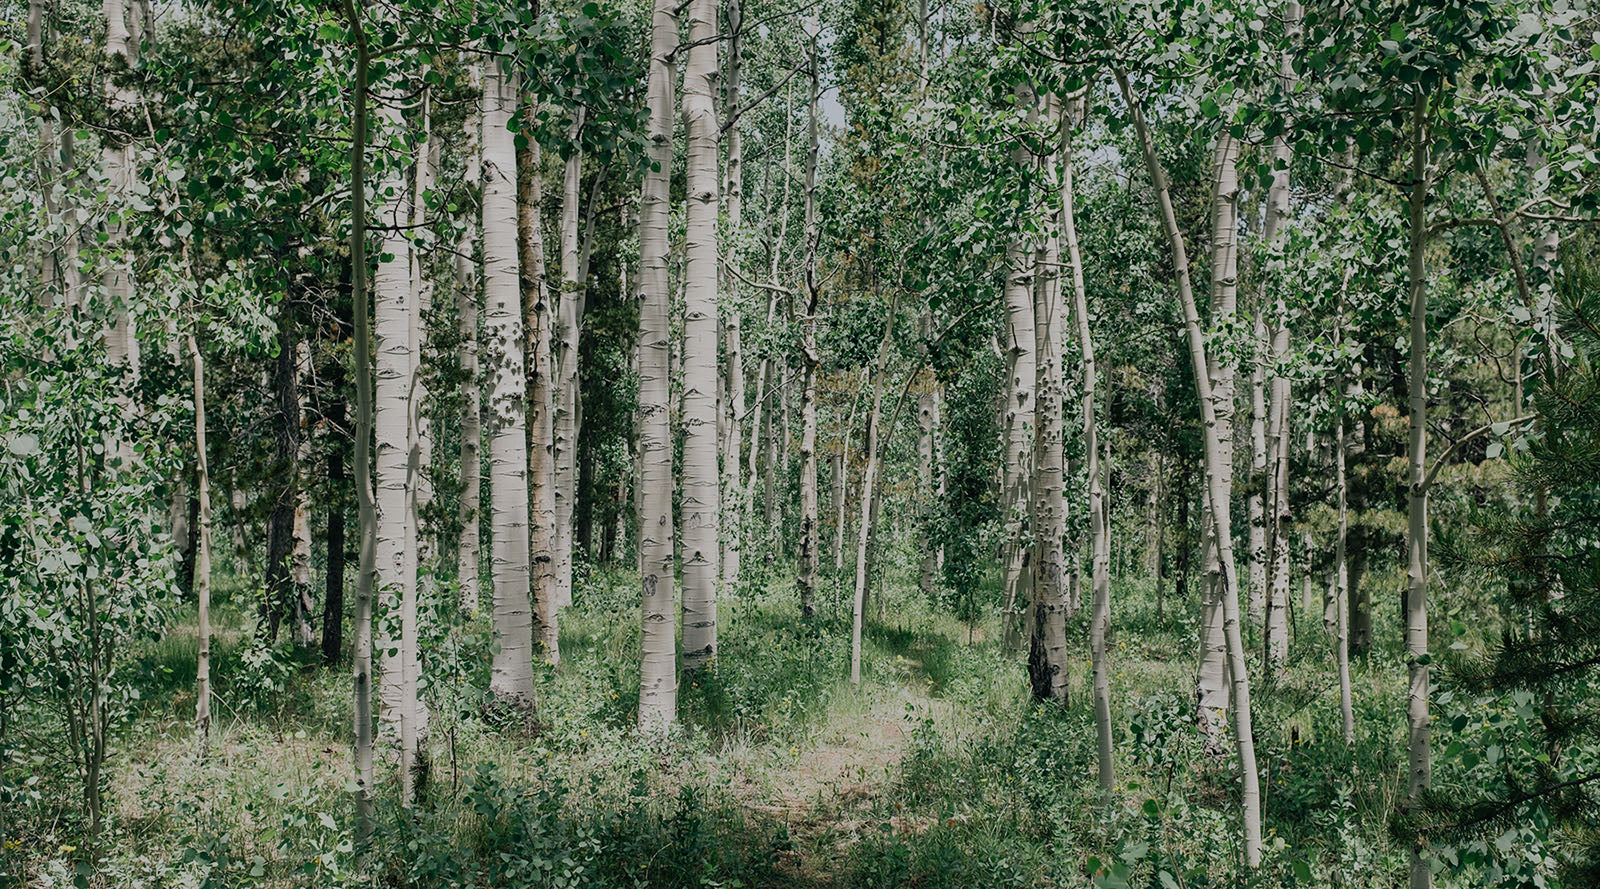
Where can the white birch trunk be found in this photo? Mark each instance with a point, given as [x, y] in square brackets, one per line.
[702, 543]
[658, 681]
[202, 558]
[537, 322]
[511, 676]
[1048, 519]
[1018, 416]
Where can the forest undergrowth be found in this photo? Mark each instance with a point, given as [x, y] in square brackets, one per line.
[940, 771]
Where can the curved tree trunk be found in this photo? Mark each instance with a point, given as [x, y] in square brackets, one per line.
[1099, 533]
[658, 681]
[1216, 490]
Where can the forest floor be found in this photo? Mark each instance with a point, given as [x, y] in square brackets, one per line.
[938, 771]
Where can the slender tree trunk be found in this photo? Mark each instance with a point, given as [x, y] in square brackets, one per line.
[1258, 474]
[1417, 717]
[300, 552]
[1341, 590]
[333, 588]
[467, 302]
[658, 682]
[927, 494]
[202, 579]
[1099, 533]
[121, 337]
[869, 480]
[702, 542]
[1216, 491]
[733, 318]
[1277, 614]
[511, 675]
[419, 544]
[282, 596]
[566, 363]
[537, 322]
[810, 358]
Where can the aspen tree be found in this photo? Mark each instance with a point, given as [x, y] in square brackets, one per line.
[1216, 491]
[700, 499]
[1277, 603]
[1048, 519]
[1018, 348]
[1099, 530]
[537, 323]
[810, 358]
[732, 515]
[202, 561]
[467, 302]
[658, 681]
[511, 676]
[565, 386]
[396, 370]
[116, 160]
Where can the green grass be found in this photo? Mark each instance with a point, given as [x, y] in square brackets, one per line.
[939, 771]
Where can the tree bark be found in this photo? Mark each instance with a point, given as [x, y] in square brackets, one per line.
[537, 323]
[565, 387]
[1420, 730]
[511, 676]
[1018, 422]
[658, 682]
[467, 302]
[810, 359]
[1099, 533]
[202, 576]
[733, 317]
[1216, 490]
[869, 479]
[702, 544]
[1048, 519]
[333, 588]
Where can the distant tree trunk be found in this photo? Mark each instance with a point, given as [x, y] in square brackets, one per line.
[467, 301]
[1216, 484]
[869, 479]
[733, 319]
[121, 337]
[927, 493]
[1099, 533]
[281, 598]
[537, 323]
[565, 387]
[202, 576]
[1258, 474]
[333, 588]
[1341, 590]
[811, 360]
[419, 422]
[511, 676]
[658, 682]
[1420, 728]
[300, 554]
[700, 505]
